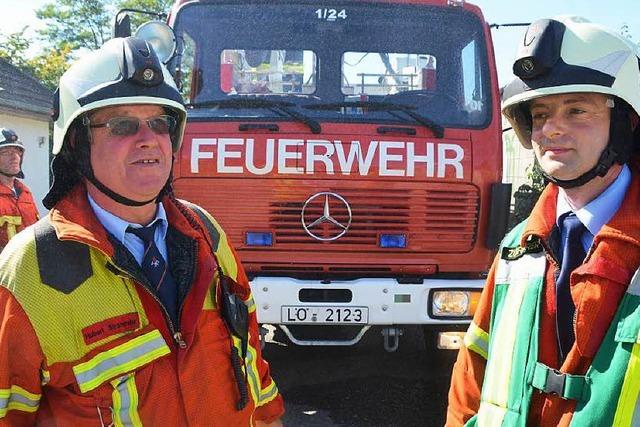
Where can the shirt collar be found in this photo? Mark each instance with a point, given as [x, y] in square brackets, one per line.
[600, 210]
[118, 227]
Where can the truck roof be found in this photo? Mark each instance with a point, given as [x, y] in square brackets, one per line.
[442, 3]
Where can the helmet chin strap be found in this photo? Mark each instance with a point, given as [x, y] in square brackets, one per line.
[11, 175]
[606, 160]
[18, 174]
[83, 160]
[618, 149]
[115, 196]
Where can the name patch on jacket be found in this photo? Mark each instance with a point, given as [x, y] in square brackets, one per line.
[112, 326]
[511, 254]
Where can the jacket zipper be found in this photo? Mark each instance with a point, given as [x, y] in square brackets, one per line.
[550, 257]
[176, 334]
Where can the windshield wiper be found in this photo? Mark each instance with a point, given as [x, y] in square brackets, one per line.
[437, 129]
[251, 103]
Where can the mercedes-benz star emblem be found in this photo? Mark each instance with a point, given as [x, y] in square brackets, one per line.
[310, 222]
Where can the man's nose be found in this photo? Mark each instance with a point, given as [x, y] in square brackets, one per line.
[145, 135]
[553, 126]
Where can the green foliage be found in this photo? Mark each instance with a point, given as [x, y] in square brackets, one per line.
[49, 66]
[46, 67]
[156, 6]
[13, 49]
[77, 23]
[534, 173]
[70, 26]
[88, 23]
[527, 195]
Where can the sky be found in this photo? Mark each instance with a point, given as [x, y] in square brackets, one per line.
[611, 13]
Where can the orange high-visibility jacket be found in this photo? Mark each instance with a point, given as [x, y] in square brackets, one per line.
[597, 287]
[85, 343]
[15, 214]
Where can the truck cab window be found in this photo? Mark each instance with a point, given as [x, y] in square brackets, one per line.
[382, 73]
[247, 71]
[472, 75]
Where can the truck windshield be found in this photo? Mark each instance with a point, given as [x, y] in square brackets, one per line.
[431, 59]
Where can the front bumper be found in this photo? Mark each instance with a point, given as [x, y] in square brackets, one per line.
[388, 302]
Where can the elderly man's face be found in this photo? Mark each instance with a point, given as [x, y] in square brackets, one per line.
[569, 133]
[134, 166]
[10, 159]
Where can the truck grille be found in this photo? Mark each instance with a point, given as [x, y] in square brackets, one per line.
[433, 219]
[436, 218]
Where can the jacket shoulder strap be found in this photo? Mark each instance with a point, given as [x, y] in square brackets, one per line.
[63, 264]
[214, 234]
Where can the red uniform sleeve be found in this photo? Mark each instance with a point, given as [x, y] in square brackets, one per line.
[21, 365]
[468, 371]
[270, 405]
[33, 215]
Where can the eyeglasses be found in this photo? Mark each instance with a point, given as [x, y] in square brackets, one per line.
[128, 126]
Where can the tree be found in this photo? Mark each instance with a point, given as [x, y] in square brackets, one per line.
[625, 31]
[77, 23]
[50, 66]
[71, 25]
[13, 49]
[87, 23]
[159, 6]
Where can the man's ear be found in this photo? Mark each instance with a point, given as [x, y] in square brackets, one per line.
[72, 137]
[634, 120]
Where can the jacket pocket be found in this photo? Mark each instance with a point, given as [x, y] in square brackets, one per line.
[122, 356]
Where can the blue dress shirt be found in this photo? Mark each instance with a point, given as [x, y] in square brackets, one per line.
[600, 210]
[118, 227]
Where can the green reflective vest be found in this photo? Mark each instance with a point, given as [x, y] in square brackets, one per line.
[607, 395]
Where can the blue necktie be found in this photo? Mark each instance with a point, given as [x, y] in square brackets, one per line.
[573, 255]
[155, 269]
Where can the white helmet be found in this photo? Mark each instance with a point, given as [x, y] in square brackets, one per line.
[9, 138]
[569, 54]
[123, 71]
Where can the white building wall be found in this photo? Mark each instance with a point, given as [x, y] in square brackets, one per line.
[34, 134]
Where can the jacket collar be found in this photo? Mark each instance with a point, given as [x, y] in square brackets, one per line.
[20, 187]
[73, 219]
[624, 225]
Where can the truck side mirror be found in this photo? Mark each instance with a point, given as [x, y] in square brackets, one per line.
[161, 37]
[122, 25]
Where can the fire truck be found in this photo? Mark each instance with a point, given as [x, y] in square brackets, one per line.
[352, 152]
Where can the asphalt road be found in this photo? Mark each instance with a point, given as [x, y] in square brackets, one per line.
[362, 385]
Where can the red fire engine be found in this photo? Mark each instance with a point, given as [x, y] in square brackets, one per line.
[352, 152]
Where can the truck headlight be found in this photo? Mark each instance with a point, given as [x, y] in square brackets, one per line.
[453, 303]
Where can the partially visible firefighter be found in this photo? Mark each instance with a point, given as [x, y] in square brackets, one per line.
[125, 306]
[18, 210]
[554, 341]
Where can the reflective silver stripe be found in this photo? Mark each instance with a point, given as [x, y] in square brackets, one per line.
[125, 401]
[251, 304]
[477, 339]
[19, 399]
[636, 414]
[634, 285]
[268, 394]
[252, 373]
[119, 360]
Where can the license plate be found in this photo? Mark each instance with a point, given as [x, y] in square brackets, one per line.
[326, 315]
